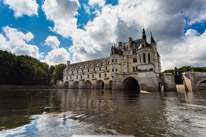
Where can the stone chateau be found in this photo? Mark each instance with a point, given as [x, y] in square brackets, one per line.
[132, 65]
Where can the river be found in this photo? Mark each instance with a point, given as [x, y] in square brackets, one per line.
[67, 112]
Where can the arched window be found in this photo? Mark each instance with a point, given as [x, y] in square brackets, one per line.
[148, 57]
[144, 59]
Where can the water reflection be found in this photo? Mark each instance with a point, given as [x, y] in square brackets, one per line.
[65, 112]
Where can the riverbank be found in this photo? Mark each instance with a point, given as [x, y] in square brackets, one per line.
[27, 86]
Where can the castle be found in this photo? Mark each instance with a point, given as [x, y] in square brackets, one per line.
[132, 65]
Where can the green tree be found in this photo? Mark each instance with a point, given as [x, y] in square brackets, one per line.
[58, 72]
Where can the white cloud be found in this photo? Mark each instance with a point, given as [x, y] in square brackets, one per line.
[62, 13]
[186, 51]
[199, 18]
[23, 7]
[191, 33]
[16, 42]
[52, 41]
[97, 2]
[165, 18]
[57, 56]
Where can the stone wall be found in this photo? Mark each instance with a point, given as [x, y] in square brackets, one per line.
[168, 81]
[148, 81]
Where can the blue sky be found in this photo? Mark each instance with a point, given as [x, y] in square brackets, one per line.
[86, 29]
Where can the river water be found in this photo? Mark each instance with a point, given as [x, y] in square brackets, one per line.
[63, 112]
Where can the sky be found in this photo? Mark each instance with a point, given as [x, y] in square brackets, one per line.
[55, 31]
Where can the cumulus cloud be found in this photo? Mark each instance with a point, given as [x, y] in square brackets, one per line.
[97, 2]
[57, 56]
[16, 42]
[52, 41]
[62, 13]
[23, 7]
[186, 51]
[191, 33]
[165, 18]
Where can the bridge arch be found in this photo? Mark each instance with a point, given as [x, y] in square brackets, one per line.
[201, 84]
[66, 84]
[76, 84]
[131, 84]
[88, 84]
[100, 84]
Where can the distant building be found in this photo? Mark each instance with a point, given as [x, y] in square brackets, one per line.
[132, 65]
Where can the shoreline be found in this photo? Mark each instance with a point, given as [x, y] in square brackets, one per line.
[27, 87]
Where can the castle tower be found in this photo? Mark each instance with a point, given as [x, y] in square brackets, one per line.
[156, 55]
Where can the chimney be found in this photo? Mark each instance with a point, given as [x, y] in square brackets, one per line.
[130, 41]
[68, 63]
[120, 44]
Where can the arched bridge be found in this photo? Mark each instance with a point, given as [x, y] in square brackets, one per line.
[194, 81]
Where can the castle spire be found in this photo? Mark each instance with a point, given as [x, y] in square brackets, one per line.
[152, 39]
[143, 34]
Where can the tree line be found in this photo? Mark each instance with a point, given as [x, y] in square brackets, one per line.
[178, 72]
[26, 70]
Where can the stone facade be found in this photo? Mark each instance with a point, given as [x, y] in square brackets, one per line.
[133, 64]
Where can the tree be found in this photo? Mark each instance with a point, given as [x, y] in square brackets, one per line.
[58, 72]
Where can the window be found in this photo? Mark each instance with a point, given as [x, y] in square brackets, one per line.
[106, 67]
[112, 60]
[81, 76]
[139, 58]
[116, 70]
[100, 69]
[72, 72]
[134, 51]
[93, 76]
[82, 70]
[105, 75]
[87, 76]
[112, 70]
[116, 60]
[77, 71]
[88, 70]
[70, 77]
[94, 69]
[134, 60]
[76, 77]
[134, 69]
[149, 57]
[144, 59]
[99, 75]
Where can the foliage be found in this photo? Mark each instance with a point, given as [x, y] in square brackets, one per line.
[58, 72]
[26, 70]
[186, 68]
